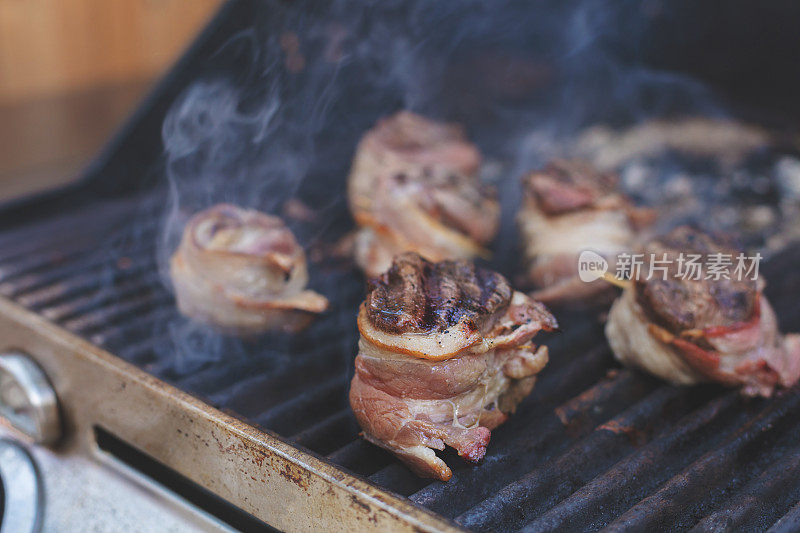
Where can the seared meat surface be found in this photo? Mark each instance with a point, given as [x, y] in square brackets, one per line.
[568, 185]
[420, 296]
[414, 187]
[569, 207]
[243, 272]
[680, 302]
[444, 357]
[687, 330]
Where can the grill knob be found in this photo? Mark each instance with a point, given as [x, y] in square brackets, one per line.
[23, 490]
[27, 400]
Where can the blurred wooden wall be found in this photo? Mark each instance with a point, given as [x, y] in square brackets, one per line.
[49, 47]
[72, 70]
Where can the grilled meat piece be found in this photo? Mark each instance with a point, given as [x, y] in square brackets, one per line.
[724, 140]
[243, 272]
[414, 187]
[444, 357]
[688, 330]
[569, 207]
[677, 304]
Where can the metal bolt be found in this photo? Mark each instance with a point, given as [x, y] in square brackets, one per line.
[27, 400]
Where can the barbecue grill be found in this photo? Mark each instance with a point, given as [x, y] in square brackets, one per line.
[259, 431]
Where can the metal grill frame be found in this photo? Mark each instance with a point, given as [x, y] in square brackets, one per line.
[256, 471]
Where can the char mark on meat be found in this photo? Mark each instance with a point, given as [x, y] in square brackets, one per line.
[416, 295]
[683, 300]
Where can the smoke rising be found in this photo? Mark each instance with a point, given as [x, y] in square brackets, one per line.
[280, 108]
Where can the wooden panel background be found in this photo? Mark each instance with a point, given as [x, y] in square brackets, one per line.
[72, 70]
[56, 46]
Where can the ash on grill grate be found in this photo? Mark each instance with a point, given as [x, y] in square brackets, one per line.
[593, 446]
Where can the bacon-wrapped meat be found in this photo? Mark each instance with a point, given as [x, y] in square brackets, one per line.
[688, 330]
[243, 272]
[414, 187]
[445, 355]
[570, 207]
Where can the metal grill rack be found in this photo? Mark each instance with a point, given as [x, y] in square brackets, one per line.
[593, 446]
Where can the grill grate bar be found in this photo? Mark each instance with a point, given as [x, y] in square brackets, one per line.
[82, 252]
[685, 492]
[273, 385]
[30, 264]
[115, 312]
[23, 284]
[768, 495]
[142, 353]
[554, 439]
[360, 457]
[330, 433]
[285, 416]
[601, 499]
[262, 382]
[52, 295]
[521, 450]
[397, 478]
[117, 338]
[86, 303]
[789, 523]
[207, 381]
[536, 491]
[555, 412]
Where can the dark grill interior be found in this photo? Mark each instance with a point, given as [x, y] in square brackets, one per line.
[594, 445]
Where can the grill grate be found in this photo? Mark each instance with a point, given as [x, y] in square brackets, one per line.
[593, 446]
